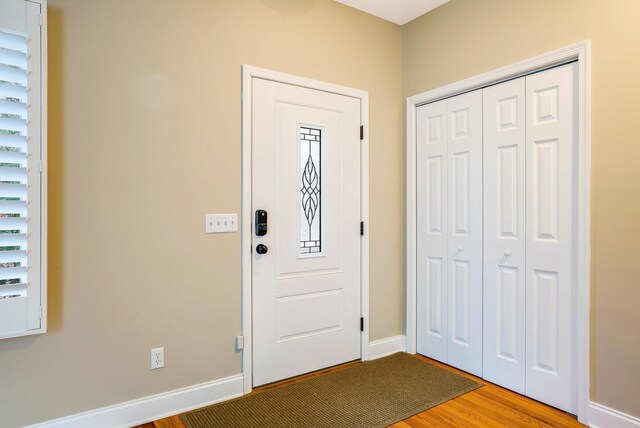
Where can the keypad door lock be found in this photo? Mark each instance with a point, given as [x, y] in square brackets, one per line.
[261, 222]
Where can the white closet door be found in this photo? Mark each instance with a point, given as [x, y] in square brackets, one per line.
[504, 234]
[464, 120]
[551, 103]
[432, 230]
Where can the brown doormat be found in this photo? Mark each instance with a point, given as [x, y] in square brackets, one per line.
[374, 394]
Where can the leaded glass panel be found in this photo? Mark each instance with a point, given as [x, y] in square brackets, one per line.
[310, 176]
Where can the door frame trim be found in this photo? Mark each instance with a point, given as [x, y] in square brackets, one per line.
[248, 74]
[580, 52]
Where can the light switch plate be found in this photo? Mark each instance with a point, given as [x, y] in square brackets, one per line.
[220, 223]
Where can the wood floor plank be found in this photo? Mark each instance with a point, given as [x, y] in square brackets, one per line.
[477, 415]
[501, 413]
[489, 406]
[444, 416]
[403, 424]
[541, 412]
[170, 422]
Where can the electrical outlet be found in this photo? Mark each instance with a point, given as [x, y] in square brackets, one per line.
[157, 358]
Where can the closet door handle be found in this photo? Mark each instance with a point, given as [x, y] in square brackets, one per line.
[460, 248]
[507, 252]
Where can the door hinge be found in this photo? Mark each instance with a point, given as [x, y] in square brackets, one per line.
[361, 132]
[362, 228]
[41, 20]
[41, 312]
[361, 324]
[40, 166]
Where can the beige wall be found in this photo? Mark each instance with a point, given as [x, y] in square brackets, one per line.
[144, 139]
[466, 37]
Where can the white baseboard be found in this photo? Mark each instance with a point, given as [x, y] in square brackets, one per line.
[181, 400]
[153, 407]
[604, 417]
[390, 345]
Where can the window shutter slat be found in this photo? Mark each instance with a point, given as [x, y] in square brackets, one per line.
[13, 140]
[11, 126]
[10, 90]
[13, 75]
[13, 107]
[13, 41]
[13, 58]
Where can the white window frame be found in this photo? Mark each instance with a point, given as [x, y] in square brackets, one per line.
[42, 248]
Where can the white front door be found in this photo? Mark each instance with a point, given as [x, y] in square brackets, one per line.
[306, 182]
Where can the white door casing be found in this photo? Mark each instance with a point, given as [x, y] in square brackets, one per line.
[306, 305]
[504, 234]
[449, 204]
[550, 301]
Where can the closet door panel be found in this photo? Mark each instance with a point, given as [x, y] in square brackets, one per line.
[504, 234]
[464, 154]
[432, 225]
[550, 142]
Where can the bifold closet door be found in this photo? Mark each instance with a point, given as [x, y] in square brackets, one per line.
[550, 327]
[464, 114]
[432, 275]
[495, 291]
[504, 234]
[449, 174]
[529, 151]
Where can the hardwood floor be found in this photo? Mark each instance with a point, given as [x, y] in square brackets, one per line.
[487, 406]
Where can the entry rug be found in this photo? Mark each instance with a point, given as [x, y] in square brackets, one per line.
[373, 394]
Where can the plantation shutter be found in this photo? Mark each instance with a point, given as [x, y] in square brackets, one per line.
[21, 159]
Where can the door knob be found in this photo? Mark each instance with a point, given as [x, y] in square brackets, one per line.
[460, 248]
[262, 249]
[507, 252]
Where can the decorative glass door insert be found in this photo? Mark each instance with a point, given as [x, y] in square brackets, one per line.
[310, 190]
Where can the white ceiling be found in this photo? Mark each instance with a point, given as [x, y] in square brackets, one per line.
[397, 11]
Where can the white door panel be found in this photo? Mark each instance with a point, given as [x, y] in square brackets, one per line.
[551, 141]
[306, 175]
[464, 243]
[504, 234]
[432, 204]
[449, 206]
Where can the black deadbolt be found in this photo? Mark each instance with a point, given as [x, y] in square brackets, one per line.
[261, 223]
